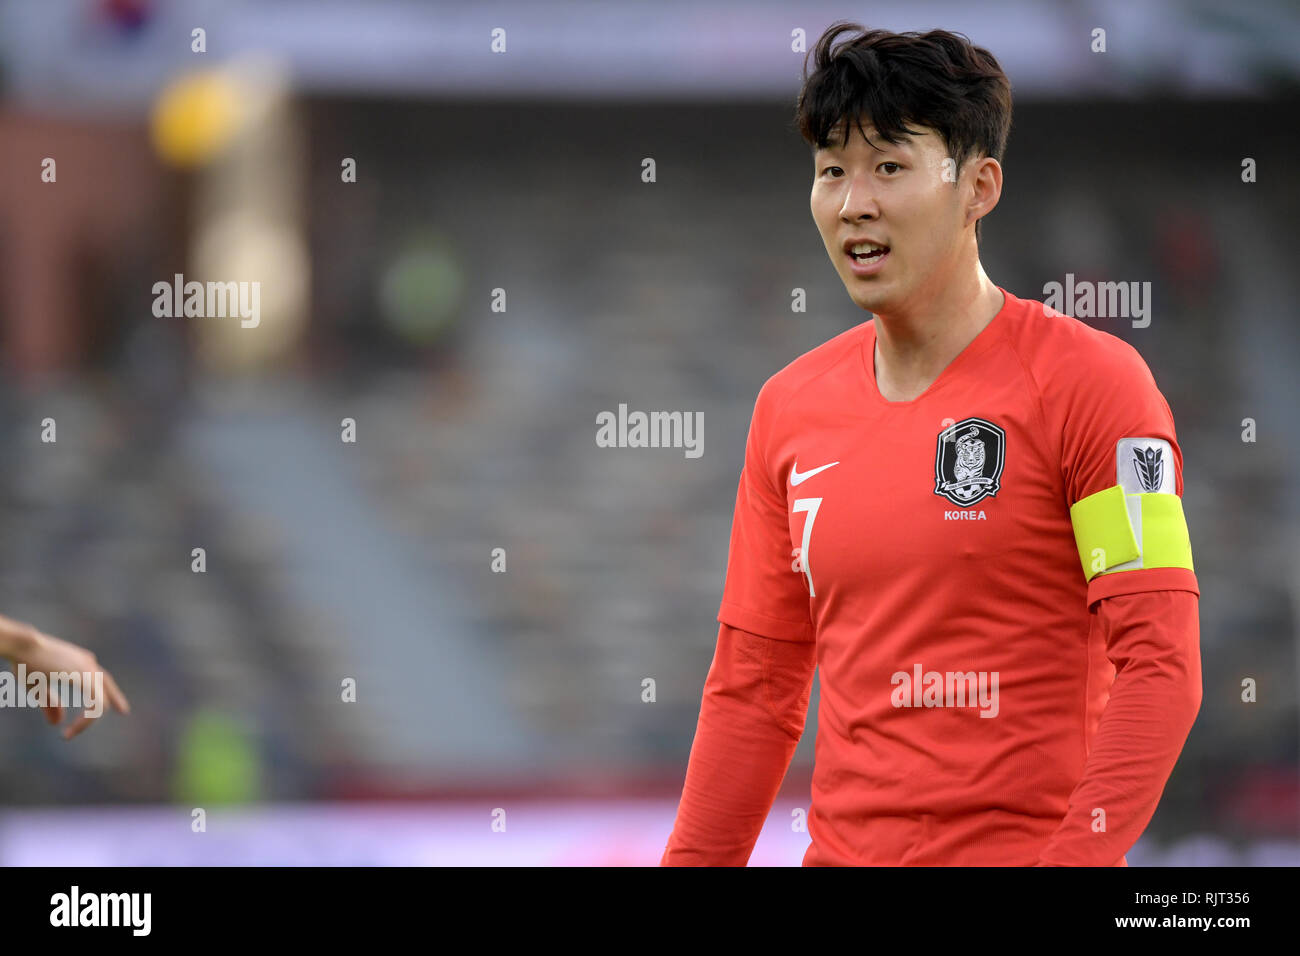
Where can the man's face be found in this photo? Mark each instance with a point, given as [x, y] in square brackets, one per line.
[901, 197]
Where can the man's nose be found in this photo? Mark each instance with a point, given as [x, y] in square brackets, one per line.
[859, 200]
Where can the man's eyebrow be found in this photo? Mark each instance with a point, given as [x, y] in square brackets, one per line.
[903, 142]
[835, 142]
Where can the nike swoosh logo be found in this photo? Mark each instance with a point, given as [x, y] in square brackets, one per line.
[798, 479]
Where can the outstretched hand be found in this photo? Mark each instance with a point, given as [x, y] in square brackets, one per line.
[45, 653]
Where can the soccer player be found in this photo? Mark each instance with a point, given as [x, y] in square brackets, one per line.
[39, 652]
[966, 511]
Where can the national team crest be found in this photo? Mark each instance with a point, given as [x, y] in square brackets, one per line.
[968, 461]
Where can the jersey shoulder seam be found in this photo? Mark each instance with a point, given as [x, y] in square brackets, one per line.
[1055, 448]
[848, 353]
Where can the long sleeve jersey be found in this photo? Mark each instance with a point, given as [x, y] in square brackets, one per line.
[995, 582]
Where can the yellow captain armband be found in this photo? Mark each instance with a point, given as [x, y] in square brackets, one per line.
[1117, 531]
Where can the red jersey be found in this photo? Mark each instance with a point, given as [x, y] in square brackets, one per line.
[942, 555]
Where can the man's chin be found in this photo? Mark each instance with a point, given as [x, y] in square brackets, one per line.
[871, 299]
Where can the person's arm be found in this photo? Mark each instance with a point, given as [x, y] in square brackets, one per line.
[756, 695]
[16, 639]
[1122, 471]
[1153, 639]
[751, 718]
[40, 652]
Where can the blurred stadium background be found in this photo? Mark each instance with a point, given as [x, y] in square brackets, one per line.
[522, 171]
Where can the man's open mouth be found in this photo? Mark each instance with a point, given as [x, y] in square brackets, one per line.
[867, 252]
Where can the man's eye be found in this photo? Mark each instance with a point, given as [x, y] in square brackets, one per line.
[883, 165]
[829, 168]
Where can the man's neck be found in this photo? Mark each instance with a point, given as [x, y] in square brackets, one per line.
[915, 346]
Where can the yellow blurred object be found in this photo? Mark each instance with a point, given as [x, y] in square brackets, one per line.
[195, 118]
[218, 761]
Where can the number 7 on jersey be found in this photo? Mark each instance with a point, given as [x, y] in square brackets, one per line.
[809, 505]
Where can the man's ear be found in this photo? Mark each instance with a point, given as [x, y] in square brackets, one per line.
[985, 188]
